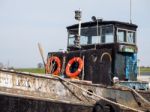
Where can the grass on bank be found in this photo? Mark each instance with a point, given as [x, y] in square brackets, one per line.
[31, 70]
[145, 69]
[42, 70]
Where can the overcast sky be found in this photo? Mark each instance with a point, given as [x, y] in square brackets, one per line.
[24, 23]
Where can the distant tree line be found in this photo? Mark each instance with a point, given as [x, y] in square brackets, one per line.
[2, 66]
[144, 66]
[40, 65]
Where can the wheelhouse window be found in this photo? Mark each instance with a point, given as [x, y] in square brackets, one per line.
[126, 36]
[89, 35]
[130, 37]
[121, 35]
[71, 39]
[72, 34]
[107, 34]
[92, 35]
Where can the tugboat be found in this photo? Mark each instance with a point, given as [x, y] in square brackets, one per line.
[97, 73]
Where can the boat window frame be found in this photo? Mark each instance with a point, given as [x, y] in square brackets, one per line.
[113, 33]
[126, 30]
[100, 36]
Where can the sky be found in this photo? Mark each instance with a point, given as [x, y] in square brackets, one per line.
[24, 23]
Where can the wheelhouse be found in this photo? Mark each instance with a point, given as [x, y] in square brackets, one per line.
[107, 50]
[118, 37]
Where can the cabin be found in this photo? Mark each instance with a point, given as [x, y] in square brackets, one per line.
[107, 49]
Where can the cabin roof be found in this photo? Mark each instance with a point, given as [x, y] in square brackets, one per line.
[116, 23]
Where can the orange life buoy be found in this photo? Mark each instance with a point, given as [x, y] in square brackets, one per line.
[49, 65]
[80, 67]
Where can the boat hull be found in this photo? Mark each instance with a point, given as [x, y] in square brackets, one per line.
[18, 104]
[34, 92]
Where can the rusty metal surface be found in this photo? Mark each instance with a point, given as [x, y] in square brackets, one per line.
[48, 88]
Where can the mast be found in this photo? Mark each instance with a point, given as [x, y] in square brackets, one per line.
[77, 38]
[130, 11]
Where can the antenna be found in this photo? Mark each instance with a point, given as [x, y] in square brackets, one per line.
[130, 11]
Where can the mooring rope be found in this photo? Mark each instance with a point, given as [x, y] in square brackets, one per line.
[105, 99]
